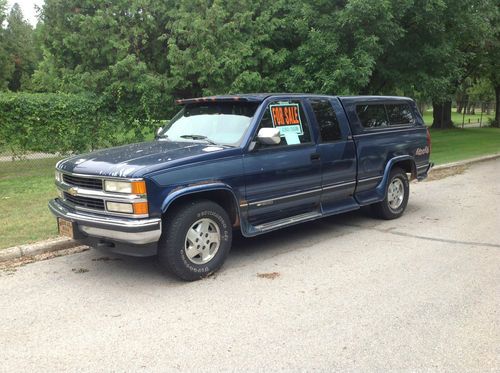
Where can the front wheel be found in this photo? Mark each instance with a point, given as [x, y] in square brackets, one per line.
[196, 240]
[396, 196]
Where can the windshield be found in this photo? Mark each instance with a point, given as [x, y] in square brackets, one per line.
[219, 123]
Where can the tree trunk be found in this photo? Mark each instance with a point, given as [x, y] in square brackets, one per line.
[441, 115]
[421, 107]
[496, 122]
[460, 106]
[473, 108]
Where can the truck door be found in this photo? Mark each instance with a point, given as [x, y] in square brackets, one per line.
[283, 180]
[337, 153]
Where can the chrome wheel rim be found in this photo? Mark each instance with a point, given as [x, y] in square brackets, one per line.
[395, 194]
[202, 241]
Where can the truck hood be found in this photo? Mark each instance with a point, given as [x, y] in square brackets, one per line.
[135, 160]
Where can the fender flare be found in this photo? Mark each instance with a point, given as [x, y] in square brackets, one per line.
[380, 189]
[194, 189]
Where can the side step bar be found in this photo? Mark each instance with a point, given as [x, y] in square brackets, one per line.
[287, 221]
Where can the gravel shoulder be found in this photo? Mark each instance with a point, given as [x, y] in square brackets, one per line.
[343, 293]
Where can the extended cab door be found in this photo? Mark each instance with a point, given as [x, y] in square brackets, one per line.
[337, 153]
[283, 180]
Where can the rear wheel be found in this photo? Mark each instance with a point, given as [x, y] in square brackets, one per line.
[396, 196]
[196, 240]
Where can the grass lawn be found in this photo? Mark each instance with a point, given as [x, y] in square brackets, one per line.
[457, 118]
[457, 144]
[26, 186]
[25, 189]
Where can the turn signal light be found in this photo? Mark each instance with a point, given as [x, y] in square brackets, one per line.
[139, 187]
[140, 208]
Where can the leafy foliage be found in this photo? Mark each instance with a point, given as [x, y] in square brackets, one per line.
[6, 67]
[18, 50]
[57, 123]
[136, 56]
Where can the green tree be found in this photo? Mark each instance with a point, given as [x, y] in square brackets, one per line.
[20, 45]
[6, 67]
[138, 55]
[490, 66]
[440, 43]
[115, 49]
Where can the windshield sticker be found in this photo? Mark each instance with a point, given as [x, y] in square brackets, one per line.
[286, 117]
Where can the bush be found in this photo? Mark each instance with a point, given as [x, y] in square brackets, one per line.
[56, 122]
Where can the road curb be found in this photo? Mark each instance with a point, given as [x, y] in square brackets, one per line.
[466, 162]
[37, 248]
[62, 243]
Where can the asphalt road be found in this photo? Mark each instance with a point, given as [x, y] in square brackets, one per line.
[347, 293]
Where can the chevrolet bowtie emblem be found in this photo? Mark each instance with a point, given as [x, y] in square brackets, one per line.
[72, 191]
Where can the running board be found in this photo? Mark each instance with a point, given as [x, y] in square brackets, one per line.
[287, 221]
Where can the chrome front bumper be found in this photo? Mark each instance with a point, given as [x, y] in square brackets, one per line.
[131, 231]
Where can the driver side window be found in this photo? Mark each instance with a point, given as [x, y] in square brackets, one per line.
[289, 117]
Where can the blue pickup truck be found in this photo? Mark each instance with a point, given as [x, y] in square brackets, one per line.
[253, 162]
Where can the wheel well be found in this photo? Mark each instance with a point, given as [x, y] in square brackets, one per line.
[223, 198]
[408, 166]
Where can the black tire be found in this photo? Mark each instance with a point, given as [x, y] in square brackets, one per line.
[384, 209]
[172, 252]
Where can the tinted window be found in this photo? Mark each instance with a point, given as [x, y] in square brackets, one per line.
[400, 114]
[290, 118]
[372, 116]
[327, 120]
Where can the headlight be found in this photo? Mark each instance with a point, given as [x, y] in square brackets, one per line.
[118, 186]
[130, 187]
[58, 176]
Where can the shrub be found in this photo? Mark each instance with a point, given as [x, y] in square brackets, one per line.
[56, 122]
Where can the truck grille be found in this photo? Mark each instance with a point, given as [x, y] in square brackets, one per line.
[83, 182]
[90, 203]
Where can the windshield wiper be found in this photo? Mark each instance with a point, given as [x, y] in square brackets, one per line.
[199, 137]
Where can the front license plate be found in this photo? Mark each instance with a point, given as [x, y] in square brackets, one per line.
[65, 228]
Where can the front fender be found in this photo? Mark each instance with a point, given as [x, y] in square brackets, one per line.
[194, 189]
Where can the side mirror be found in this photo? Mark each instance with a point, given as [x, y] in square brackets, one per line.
[158, 131]
[269, 136]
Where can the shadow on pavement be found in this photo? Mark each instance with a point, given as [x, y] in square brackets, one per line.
[243, 252]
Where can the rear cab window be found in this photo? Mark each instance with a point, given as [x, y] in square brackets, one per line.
[289, 117]
[399, 114]
[377, 115]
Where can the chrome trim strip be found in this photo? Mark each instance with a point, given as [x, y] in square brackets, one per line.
[267, 202]
[370, 179]
[128, 237]
[93, 193]
[272, 200]
[101, 177]
[338, 185]
[60, 210]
